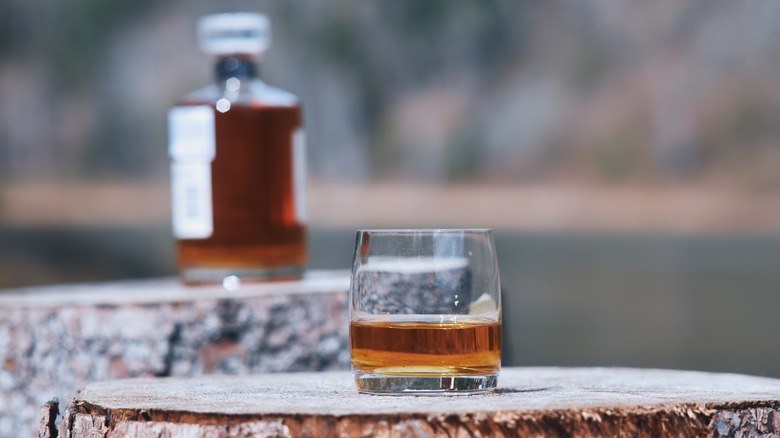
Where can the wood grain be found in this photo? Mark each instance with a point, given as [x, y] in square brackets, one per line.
[529, 401]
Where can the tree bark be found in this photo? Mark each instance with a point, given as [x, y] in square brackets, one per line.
[49, 412]
[529, 402]
[54, 340]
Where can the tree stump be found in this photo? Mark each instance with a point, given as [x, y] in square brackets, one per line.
[56, 339]
[529, 402]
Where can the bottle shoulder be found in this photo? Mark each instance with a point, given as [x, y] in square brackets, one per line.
[252, 92]
[268, 93]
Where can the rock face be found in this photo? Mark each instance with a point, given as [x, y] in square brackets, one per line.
[581, 402]
[55, 340]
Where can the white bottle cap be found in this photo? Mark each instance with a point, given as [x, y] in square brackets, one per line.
[231, 34]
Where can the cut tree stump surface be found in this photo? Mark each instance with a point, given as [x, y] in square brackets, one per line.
[165, 290]
[56, 339]
[550, 401]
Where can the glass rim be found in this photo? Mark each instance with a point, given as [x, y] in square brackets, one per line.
[423, 230]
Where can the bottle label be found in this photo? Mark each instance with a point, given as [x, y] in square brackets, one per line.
[192, 148]
[191, 200]
[299, 173]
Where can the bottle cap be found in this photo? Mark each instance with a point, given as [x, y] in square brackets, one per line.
[234, 34]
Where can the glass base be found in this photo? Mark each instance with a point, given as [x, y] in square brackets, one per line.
[236, 276]
[382, 384]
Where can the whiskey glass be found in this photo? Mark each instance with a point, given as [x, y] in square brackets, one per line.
[425, 312]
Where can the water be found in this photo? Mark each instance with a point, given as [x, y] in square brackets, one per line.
[688, 302]
[684, 302]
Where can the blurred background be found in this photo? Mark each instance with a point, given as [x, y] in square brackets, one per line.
[626, 153]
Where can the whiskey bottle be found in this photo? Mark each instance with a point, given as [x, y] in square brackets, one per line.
[237, 164]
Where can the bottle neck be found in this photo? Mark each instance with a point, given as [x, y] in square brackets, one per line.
[237, 66]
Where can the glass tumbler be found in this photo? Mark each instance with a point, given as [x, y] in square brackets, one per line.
[425, 312]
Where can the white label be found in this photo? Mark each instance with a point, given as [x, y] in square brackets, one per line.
[299, 173]
[191, 134]
[192, 147]
[191, 200]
